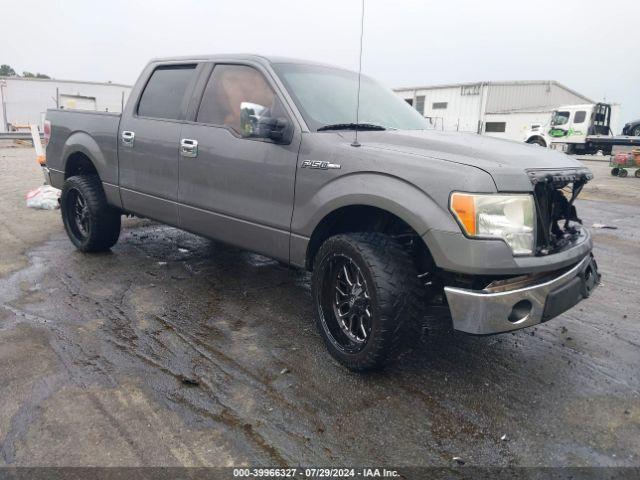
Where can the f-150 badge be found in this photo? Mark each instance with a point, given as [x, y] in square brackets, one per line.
[319, 165]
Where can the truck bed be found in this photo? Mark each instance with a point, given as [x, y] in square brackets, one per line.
[94, 133]
[614, 140]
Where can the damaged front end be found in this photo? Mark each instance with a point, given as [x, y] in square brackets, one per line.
[555, 191]
[501, 304]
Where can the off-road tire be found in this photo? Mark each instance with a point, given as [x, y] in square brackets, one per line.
[394, 296]
[102, 220]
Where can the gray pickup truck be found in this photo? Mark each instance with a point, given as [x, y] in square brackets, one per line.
[402, 222]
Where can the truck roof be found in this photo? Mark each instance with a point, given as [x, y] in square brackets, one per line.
[240, 56]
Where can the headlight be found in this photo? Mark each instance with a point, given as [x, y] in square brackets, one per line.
[509, 217]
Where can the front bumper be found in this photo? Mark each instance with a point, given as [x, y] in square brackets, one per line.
[487, 311]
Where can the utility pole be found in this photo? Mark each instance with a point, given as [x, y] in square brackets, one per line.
[5, 123]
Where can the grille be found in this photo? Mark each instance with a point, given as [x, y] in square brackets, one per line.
[557, 220]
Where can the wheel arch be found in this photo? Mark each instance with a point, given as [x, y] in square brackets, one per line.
[537, 139]
[82, 151]
[374, 201]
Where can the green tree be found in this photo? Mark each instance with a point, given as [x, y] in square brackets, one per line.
[7, 71]
[34, 75]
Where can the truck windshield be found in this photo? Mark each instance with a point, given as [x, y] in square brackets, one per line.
[327, 96]
[560, 118]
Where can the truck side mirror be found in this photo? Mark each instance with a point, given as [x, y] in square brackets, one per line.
[273, 128]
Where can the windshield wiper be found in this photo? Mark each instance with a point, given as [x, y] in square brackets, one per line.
[351, 126]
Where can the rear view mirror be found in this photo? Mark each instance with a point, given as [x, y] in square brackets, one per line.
[256, 122]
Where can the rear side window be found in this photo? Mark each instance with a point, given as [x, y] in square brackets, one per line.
[579, 116]
[165, 90]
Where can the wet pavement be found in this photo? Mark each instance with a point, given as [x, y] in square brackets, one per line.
[175, 350]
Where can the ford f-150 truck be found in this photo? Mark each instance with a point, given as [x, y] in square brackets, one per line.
[402, 221]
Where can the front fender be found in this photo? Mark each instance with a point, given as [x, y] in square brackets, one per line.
[374, 189]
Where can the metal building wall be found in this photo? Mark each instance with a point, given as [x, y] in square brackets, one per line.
[26, 100]
[526, 95]
[462, 112]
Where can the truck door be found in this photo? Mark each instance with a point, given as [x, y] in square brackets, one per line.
[148, 143]
[235, 186]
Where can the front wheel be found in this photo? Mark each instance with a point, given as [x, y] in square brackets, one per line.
[537, 141]
[636, 132]
[366, 292]
[623, 173]
[615, 171]
[92, 225]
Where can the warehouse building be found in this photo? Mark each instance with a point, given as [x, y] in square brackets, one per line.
[500, 109]
[25, 100]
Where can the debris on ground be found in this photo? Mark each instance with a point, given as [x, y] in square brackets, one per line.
[458, 460]
[602, 225]
[504, 437]
[189, 381]
[44, 197]
[284, 370]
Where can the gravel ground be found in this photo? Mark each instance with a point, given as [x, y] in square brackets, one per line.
[174, 350]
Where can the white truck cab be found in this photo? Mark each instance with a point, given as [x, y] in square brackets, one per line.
[574, 128]
[582, 129]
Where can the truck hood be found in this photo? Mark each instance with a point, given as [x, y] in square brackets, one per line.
[509, 163]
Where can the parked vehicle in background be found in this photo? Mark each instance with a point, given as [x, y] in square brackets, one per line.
[579, 129]
[632, 128]
[260, 153]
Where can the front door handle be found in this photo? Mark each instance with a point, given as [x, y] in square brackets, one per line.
[127, 138]
[188, 147]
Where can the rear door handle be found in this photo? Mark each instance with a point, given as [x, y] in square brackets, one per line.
[188, 147]
[127, 138]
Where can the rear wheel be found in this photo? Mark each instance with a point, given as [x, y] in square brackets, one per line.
[91, 224]
[366, 291]
[623, 173]
[615, 171]
[636, 131]
[637, 173]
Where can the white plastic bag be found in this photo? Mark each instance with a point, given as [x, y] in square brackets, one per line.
[44, 198]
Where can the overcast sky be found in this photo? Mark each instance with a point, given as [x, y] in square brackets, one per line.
[590, 46]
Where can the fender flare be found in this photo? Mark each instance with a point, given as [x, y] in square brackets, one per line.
[373, 189]
[82, 142]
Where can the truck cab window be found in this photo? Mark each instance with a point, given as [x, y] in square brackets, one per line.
[165, 91]
[560, 118]
[238, 96]
[579, 116]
